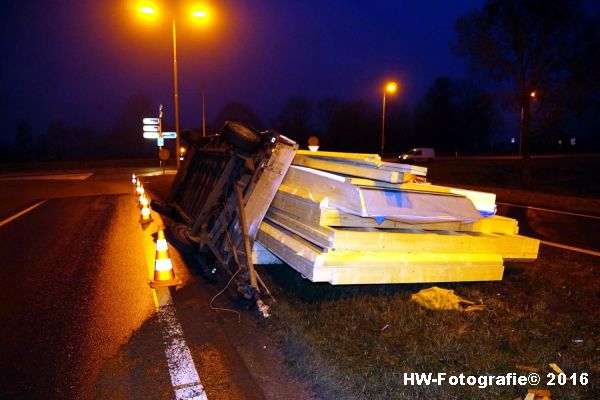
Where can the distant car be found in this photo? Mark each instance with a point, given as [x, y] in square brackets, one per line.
[418, 154]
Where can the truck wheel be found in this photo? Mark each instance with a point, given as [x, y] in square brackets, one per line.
[177, 236]
[240, 136]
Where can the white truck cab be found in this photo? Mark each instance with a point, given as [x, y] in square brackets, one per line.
[418, 154]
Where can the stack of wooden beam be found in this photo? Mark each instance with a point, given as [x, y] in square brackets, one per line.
[352, 219]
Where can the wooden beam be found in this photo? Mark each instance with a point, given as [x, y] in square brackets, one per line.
[413, 169]
[315, 211]
[352, 169]
[367, 159]
[398, 241]
[402, 206]
[377, 267]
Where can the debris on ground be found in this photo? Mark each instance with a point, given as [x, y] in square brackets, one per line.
[556, 368]
[435, 298]
[538, 394]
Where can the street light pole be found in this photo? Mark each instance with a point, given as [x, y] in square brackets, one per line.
[521, 131]
[391, 87]
[149, 10]
[522, 124]
[176, 95]
[383, 125]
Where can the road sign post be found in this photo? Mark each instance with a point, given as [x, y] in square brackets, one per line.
[152, 129]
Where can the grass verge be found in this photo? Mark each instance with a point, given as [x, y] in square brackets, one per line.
[334, 337]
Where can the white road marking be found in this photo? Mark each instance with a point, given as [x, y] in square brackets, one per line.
[51, 177]
[25, 211]
[577, 249]
[552, 211]
[184, 377]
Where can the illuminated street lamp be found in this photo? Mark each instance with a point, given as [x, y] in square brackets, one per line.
[390, 87]
[196, 13]
[522, 126]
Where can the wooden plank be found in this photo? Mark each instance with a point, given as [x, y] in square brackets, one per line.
[408, 186]
[363, 158]
[413, 169]
[352, 169]
[320, 235]
[485, 202]
[413, 273]
[315, 211]
[318, 184]
[495, 224]
[510, 247]
[377, 267]
[405, 207]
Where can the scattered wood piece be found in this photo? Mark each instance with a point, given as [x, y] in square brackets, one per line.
[556, 368]
[527, 368]
[538, 392]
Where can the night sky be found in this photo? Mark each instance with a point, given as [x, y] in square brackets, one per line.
[77, 61]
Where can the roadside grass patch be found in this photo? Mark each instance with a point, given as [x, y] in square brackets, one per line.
[356, 342]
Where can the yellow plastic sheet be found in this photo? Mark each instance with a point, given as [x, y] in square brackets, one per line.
[436, 298]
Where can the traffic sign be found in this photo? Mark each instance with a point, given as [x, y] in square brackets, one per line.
[150, 135]
[150, 121]
[169, 135]
[150, 128]
[160, 142]
[163, 154]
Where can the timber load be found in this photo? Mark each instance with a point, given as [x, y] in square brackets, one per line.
[348, 218]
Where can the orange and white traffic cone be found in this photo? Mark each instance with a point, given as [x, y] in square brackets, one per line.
[141, 197]
[133, 179]
[143, 201]
[163, 267]
[138, 186]
[146, 216]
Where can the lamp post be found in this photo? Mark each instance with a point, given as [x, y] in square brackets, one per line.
[390, 87]
[150, 10]
[522, 125]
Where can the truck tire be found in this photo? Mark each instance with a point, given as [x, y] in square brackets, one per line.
[177, 236]
[240, 136]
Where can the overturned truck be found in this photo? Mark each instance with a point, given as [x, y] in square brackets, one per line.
[342, 218]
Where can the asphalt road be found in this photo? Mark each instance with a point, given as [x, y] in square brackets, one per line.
[78, 319]
[568, 229]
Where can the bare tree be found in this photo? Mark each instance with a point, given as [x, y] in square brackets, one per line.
[536, 46]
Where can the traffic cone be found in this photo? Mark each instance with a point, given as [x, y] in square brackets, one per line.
[143, 201]
[163, 267]
[142, 194]
[146, 216]
[138, 186]
[133, 179]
